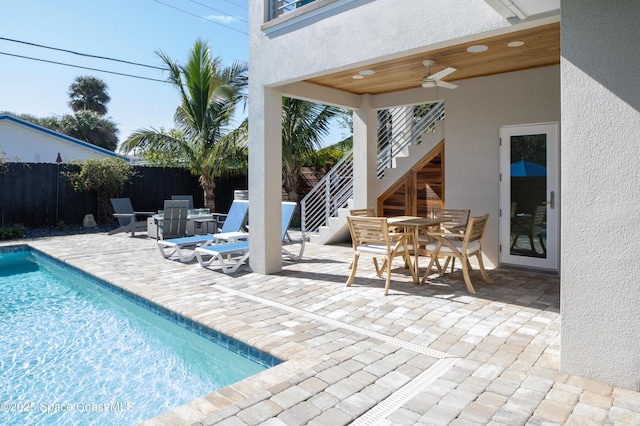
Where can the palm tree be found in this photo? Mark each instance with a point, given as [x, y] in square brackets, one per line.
[203, 139]
[89, 93]
[89, 126]
[304, 124]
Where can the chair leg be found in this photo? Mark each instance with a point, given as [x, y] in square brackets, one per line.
[544, 249]
[467, 278]
[434, 259]
[354, 266]
[381, 269]
[407, 259]
[533, 248]
[485, 276]
[387, 284]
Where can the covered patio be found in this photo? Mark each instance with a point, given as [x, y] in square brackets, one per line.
[430, 354]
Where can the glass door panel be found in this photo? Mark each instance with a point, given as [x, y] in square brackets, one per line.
[528, 190]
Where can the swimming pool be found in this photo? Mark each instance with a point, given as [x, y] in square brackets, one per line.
[73, 352]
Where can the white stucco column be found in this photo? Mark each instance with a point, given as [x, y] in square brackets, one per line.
[265, 179]
[365, 143]
[600, 180]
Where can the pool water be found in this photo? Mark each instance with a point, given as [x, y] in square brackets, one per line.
[74, 352]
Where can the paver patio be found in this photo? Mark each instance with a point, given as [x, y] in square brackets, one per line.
[431, 354]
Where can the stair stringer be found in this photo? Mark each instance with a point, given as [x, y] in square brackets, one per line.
[337, 229]
[406, 163]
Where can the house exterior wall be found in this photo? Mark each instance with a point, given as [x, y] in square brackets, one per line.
[359, 31]
[22, 143]
[475, 111]
[600, 132]
[598, 108]
[327, 41]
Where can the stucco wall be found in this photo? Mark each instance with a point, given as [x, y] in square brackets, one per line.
[600, 134]
[358, 31]
[475, 111]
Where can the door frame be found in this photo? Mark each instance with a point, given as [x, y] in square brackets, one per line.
[553, 198]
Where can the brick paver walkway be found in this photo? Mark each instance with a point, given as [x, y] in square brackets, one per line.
[430, 355]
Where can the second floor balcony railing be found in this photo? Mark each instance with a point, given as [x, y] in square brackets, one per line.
[280, 7]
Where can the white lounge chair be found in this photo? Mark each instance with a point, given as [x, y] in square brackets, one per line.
[287, 214]
[223, 253]
[231, 231]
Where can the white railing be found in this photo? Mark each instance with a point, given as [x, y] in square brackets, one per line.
[397, 128]
[280, 7]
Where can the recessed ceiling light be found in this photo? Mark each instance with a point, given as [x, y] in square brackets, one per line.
[517, 43]
[367, 72]
[357, 77]
[477, 48]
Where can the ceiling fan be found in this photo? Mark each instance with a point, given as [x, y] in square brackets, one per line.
[435, 80]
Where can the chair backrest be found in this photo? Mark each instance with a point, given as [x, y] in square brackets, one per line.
[475, 228]
[288, 208]
[363, 212]
[236, 217]
[122, 206]
[457, 219]
[368, 230]
[540, 215]
[189, 198]
[174, 224]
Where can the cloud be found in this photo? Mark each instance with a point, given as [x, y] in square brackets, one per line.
[223, 19]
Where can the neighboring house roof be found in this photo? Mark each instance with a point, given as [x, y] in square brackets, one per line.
[28, 142]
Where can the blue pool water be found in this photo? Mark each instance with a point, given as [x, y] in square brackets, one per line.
[74, 352]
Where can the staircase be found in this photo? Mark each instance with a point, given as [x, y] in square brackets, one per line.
[404, 140]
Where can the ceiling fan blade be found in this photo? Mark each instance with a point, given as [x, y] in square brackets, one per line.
[445, 84]
[442, 74]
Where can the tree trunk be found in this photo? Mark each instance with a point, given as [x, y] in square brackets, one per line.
[209, 186]
[290, 184]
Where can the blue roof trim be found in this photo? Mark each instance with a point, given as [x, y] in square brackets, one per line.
[61, 136]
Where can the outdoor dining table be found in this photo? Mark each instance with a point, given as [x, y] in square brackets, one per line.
[415, 224]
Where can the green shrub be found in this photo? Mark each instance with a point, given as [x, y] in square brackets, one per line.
[106, 177]
[11, 232]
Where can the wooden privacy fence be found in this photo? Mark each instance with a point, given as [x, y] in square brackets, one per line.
[38, 195]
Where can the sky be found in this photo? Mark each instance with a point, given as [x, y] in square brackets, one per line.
[129, 30]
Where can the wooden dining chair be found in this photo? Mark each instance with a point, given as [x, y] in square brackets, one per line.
[370, 212]
[371, 237]
[455, 224]
[463, 247]
[531, 226]
[456, 220]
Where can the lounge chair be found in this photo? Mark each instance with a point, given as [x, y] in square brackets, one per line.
[222, 253]
[231, 231]
[234, 222]
[174, 221]
[127, 217]
[287, 214]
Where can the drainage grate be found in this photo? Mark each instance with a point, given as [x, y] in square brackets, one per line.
[405, 393]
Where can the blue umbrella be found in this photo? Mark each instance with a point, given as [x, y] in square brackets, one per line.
[525, 169]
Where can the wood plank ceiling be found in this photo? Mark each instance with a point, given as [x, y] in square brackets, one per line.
[541, 48]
